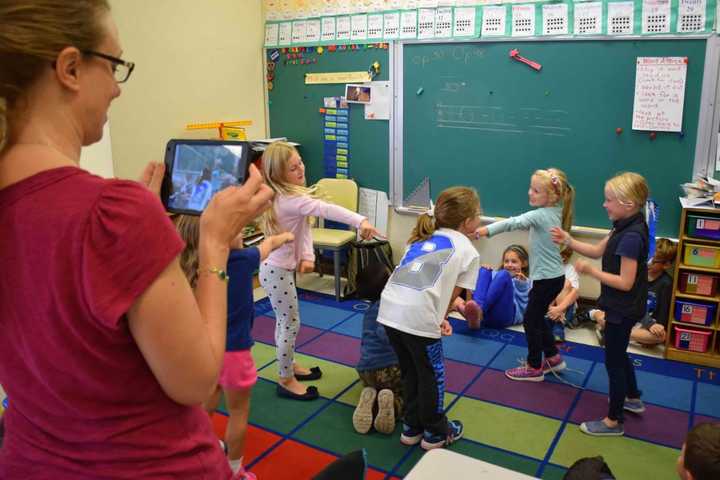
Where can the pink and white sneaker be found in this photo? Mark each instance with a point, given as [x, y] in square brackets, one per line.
[525, 373]
[554, 364]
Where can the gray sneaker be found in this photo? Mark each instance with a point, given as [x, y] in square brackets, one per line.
[634, 405]
[599, 429]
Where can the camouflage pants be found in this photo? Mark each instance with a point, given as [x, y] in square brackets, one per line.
[389, 377]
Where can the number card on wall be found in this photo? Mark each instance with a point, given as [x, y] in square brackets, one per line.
[408, 24]
[656, 16]
[464, 22]
[588, 18]
[358, 28]
[285, 34]
[659, 93]
[523, 20]
[391, 26]
[555, 19]
[493, 22]
[375, 26]
[621, 18]
[426, 23]
[328, 29]
[271, 34]
[691, 16]
[342, 28]
[443, 23]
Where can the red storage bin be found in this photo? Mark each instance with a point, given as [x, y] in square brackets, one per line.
[693, 340]
[698, 283]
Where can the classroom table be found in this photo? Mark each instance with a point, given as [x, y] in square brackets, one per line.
[442, 463]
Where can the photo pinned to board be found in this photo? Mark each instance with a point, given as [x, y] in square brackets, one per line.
[358, 93]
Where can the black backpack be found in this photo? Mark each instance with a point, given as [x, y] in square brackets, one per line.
[368, 269]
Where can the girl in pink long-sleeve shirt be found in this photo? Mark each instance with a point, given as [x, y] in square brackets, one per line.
[285, 173]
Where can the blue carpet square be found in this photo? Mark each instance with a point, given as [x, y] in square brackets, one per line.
[706, 401]
[657, 389]
[319, 316]
[476, 351]
[351, 326]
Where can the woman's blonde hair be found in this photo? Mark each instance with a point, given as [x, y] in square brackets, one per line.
[275, 160]
[32, 34]
[629, 188]
[454, 206]
[188, 226]
[559, 190]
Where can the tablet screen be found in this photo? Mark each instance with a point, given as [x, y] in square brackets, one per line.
[200, 171]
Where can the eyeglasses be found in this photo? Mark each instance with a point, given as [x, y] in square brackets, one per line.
[121, 68]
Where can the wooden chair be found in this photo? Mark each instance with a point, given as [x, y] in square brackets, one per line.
[344, 193]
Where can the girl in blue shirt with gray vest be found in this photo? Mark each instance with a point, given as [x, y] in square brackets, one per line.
[623, 295]
[553, 196]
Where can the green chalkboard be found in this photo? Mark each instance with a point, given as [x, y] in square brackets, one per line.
[294, 113]
[485, 120]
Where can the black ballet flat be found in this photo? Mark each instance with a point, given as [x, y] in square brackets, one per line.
[311, 393]
[315, 374]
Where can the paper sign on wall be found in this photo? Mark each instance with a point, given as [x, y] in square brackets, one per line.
[659, 93]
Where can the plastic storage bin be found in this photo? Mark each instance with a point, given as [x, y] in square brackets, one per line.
[694, 312]
[700, 226]
[702, 256]
[698, 283]
[693, 340]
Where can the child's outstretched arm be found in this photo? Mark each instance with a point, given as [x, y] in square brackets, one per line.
[274, 242]
[561, 237]
[624, 281]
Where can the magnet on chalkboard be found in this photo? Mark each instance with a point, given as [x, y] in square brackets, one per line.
[681, 134]
[547, 93]
[490, 92]
[653, 135]
[420, 91]
[618, 130]
[320, 50]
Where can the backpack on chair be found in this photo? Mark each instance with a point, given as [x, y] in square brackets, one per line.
[368, 269]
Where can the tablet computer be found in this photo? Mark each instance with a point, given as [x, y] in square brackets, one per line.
[195, 170]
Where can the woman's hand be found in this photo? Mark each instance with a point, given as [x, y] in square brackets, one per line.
[233, 208]
[367, 231]
[305, 266]
[152, 176]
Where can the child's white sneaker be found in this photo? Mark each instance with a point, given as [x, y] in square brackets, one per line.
[363, 415]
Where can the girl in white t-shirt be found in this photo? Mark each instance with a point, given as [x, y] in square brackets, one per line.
[439, 262]
[562, 309]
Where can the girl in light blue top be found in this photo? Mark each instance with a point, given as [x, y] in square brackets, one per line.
[553, 196]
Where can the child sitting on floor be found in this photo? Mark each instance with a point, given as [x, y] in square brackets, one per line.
[650, 331]
[562, 310]
[500, 296]
[379, 372]
[700, 455]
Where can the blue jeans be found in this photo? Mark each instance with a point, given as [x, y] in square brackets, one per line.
[619, 366]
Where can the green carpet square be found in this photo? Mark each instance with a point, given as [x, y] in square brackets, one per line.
[553, 472]
[332, 430]
[262, 355]
[627, 457]
[500, 426]
[278, 414]
[335, 378]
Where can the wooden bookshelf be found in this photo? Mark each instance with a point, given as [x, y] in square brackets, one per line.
[710, 357]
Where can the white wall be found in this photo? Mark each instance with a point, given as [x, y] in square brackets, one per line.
[97, 158]
[196, 62]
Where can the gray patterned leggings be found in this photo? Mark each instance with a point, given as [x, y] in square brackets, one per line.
[279, 284]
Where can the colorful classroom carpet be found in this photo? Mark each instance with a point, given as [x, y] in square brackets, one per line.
[528, 427]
